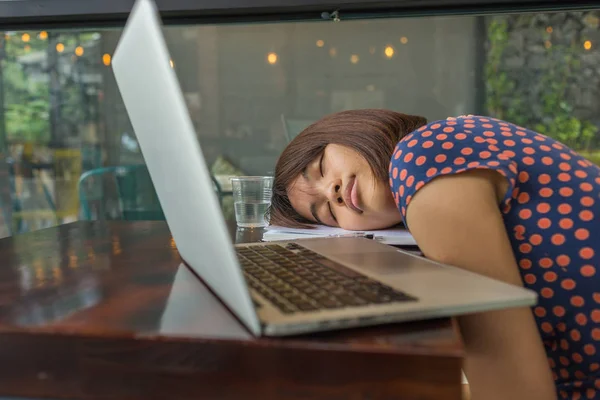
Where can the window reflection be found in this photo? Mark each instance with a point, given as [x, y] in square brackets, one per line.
[250, 88]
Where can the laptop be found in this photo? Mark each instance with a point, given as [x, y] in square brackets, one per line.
[275, 288]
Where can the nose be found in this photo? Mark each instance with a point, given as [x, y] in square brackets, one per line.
[334, 191]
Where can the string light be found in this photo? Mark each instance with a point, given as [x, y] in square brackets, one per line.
[548, 44]
[60, 47]
[333, 52]
[320, 43]
[587, 45]
[389, 51]
[26, 37]
[549, 29]
[403, 40]
[106, 59]
[354, 58]
[43, 35]
[171, 63]
[272, 58]
[79, 51]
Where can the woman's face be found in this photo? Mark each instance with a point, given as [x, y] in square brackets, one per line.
[338, 188]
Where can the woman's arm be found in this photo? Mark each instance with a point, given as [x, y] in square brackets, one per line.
[455, 219]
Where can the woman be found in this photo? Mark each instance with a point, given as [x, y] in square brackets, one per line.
[484, 195]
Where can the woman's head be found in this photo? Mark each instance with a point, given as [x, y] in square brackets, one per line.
[336, 171]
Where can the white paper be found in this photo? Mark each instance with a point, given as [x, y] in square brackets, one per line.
[394, 236]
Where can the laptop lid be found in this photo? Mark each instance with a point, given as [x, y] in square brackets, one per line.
[171, 149]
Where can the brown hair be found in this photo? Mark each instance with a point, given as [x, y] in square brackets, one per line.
[372, 133]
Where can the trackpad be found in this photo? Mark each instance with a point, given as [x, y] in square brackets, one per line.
[381, 263]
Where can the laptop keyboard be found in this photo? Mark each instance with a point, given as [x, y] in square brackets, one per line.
[296, 279]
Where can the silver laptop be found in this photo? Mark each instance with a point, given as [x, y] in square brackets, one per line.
[279, 288]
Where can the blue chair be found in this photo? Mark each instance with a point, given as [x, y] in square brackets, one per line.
[122, 192]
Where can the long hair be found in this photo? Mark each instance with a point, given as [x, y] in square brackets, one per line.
[372, 133]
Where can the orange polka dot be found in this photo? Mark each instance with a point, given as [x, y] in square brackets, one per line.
[575, 335]
[395, 173]
[564, 209]
[547, 293]
[596, 333]
[581, 174]
[398, 154]
[488, 133]
[590, 393]
[509, 143]
[528, 150]
[419, 185]
[460, 161]
[586, 253]
[558, 239]
[543, 208]
[479, 139]
[493, 148]
[546, 262]
[421, 160]
[540, 312]
[403, 174]
[460, 136]
[535, 239]
[401, 190]
[566, 223]
[525, 213]
[594, 367]
[473, 164]
[527, 141]
[547, 161]
[587, 201]
[521, 133]
[525, 248]
[528, 161]
[509, 153]
[581, 319]
[544, 223]
[493, 163]
[545, 148]
[523, 198]
[447, 145]
[566, 192]
[564, 177]
[440, 158]
[568, 284]
[577, 357]
[589, 349]
[467, 151]
[595, 315]
[426, 134]
[529, 279]
[519, 231]
[550, 276]
[586, 187]
[577, 301]
[596, 297]
[412, 143]
[446, 170]
[563, 260]
[582, 234]
[435, 126]
[448, 129]
[523, 176]
[441, 136]
[410, 180]
[544, 179]
[546, 327]
[428, 144]
[586, 215]
[564, 166]
[546, 192]
[565, 156]
[408, 157]
[485, 154]
[557, 146]
[564, 345]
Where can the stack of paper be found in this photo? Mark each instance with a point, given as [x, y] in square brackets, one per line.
[393, 236]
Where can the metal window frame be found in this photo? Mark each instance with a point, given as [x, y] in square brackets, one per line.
[31, 14]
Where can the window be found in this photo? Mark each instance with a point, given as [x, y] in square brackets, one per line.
[249, 87]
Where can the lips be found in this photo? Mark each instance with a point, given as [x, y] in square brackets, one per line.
[351, 195]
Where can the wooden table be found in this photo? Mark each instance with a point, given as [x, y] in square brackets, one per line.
[97, 310]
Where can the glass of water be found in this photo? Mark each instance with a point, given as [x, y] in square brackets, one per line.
[251, 199]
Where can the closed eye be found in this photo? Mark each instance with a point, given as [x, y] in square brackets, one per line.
[321, 164]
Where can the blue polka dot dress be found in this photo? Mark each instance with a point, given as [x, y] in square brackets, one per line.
[552, 216]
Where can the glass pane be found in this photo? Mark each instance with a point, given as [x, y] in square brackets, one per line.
[251, 88]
